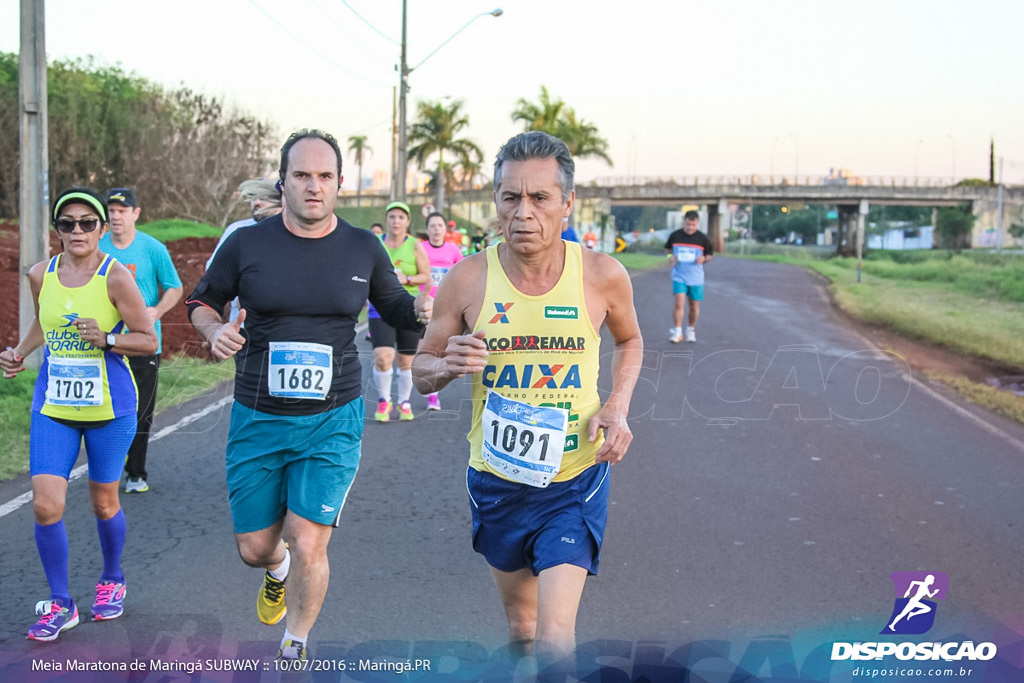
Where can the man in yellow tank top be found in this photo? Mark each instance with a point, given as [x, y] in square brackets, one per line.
[522, 319]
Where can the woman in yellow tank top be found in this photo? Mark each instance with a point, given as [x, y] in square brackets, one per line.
[85, 303]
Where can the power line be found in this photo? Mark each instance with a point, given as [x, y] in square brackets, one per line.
[305, 43]
[374, 55]
[374, 28]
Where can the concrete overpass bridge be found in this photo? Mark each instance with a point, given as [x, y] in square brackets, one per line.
[852, 196]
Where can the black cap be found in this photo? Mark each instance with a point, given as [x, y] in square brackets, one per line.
[122, 195]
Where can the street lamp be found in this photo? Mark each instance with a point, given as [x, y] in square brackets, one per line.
[917, 148]
[796, 160]
[952, 144]
[398, 180]
[771, 170]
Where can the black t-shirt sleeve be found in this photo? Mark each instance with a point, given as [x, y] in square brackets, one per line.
[708, 250]
[395, 305]
[219, 284]
[671, 240]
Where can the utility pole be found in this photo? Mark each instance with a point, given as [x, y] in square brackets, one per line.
[394, 147]
[999, 207]
[403, 89]
[34, 193]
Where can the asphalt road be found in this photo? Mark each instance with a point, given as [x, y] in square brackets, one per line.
[781, 470]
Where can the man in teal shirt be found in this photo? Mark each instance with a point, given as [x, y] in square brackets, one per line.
[147, 259]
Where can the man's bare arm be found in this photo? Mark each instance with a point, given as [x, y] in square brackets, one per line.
[447, 352]
[626, 363]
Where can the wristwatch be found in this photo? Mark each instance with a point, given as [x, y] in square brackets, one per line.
[111, 340]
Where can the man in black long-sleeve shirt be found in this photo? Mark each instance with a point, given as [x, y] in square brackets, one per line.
[296, 426]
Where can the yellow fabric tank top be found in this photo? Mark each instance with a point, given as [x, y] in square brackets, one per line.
[543, 351]
[78, 381]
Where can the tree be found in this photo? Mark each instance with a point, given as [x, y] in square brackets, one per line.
[557, 118]
[436, 131]
[582, 138]
[183, 153]
[953, 225]
[543, 115]
[357, 145]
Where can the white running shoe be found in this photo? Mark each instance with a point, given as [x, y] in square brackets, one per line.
[691, 335]
[675, 334]
[135, 485]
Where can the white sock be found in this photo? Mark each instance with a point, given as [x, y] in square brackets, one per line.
[288, 635]
[281, 573]
[689, 328]
[382, 380]
[404, 385]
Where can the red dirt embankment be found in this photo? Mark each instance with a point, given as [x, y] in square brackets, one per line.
[189, 256]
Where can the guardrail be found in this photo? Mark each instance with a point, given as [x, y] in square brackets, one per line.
[768, 180]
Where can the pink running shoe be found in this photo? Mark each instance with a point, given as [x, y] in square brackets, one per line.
[56, 617]
[109, 601]
[433, 402]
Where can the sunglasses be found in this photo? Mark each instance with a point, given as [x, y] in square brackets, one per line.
[67, 225]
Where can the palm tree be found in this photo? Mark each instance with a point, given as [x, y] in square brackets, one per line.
[357, 145]
[559, 119]
[543, 115]
[582, 138]
[435, 131]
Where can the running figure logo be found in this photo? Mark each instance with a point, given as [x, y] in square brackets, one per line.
[914, 609]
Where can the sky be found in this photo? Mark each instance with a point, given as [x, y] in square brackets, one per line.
[914, 88]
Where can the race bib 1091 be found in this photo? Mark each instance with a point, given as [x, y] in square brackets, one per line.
[523, 442]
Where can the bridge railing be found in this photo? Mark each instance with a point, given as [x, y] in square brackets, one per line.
[767, 180]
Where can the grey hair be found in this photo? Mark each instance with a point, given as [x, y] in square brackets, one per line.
[536, 144]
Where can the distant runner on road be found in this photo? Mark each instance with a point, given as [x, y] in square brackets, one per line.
[150, 264]
[689, 249]
[442, 256]
[412, 270]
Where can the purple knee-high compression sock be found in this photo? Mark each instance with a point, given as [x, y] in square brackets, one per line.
[52, 544]
[112, 534]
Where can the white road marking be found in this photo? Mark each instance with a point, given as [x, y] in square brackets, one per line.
[11, 506]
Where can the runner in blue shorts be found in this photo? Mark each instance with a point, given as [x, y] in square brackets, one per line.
[523, 319]
[85, 302]
[689, 249]
[301, 279]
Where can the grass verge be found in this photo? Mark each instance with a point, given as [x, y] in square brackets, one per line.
[996, 400]
[181, 379]
[971, 304]
[638, 260]
[170, 229]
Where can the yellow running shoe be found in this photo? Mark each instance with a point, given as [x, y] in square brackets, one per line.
[383, 413]
[270, 604]
[292, 650]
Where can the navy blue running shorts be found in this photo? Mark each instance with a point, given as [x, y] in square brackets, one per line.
[517, 526]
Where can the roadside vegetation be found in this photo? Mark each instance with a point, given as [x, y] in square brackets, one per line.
[967, 302]
[181, 379]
